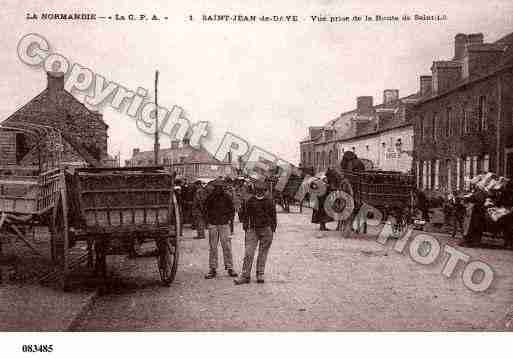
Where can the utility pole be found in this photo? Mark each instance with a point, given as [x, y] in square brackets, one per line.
[157, 145]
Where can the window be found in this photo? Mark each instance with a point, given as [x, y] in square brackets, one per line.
[467, 173]
[367, 147]
[486, 163]
[433, 126]
[482, 113]
[467, 120]
[448, 122]
[448, 175]
[421, 128]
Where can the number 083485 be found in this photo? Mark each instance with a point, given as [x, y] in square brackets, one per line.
[37, 348]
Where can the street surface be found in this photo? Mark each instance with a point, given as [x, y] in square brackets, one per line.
[314, 281]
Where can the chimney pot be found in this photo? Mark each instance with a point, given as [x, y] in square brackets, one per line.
[364, 105]
[175, 144]
[55, 81]
[445, 75]
[390, 96]
[461, 41]
[426, 85]
[135, 151]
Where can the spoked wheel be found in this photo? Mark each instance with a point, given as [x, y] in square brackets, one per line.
[60, 237]
[168, 259]
[168, 246]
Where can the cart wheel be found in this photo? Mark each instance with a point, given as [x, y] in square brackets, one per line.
[168, 259]
[58, 228]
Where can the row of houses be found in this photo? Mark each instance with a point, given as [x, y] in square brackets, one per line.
[457, 124]
[189, 162]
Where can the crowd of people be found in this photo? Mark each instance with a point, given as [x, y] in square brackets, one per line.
[212, 206]
[487, 207]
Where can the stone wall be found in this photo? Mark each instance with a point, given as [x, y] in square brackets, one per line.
[58, 108]
[475, 142]
[7, 148]
[455, 153]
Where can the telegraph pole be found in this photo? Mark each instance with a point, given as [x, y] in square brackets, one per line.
[157, 145]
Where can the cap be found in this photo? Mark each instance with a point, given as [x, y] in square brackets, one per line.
[259, 184]
[217, 182]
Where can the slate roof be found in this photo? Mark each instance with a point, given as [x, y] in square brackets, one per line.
[506, 43]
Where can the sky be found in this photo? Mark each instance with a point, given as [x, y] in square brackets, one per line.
[265, 82]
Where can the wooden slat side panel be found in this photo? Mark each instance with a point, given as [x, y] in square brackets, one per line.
[125, 200]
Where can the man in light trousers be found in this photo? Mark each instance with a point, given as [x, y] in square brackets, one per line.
[259, 222]
[219, 208]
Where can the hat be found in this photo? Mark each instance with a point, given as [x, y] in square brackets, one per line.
[259, 184]
[217, 182]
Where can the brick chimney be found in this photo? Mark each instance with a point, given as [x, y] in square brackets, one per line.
[475, 39]
[461, 41]
[445, 75]
[175, 144]
[426, 83]
[390, 96]
[480, 58]
[314, 131]
[55, 81]
[364, 105]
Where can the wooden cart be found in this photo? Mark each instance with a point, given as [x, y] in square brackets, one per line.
[28, 194]
[390, 192]
[113, 208]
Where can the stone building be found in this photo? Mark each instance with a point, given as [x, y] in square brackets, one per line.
[463, 123]
[382, 134]
[84, 131]
[187, 161]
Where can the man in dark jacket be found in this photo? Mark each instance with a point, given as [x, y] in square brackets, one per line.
[423, 205]
[219, 210]
[198, 209]
[259, 222]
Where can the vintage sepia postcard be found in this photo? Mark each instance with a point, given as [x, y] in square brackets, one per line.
[258, 167]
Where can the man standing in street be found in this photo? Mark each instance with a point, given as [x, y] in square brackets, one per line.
[198, 209]
[219, 208]
[259, 222]
[230, 190]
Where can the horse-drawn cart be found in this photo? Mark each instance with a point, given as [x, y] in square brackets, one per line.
[110, 209]
[392, 193]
